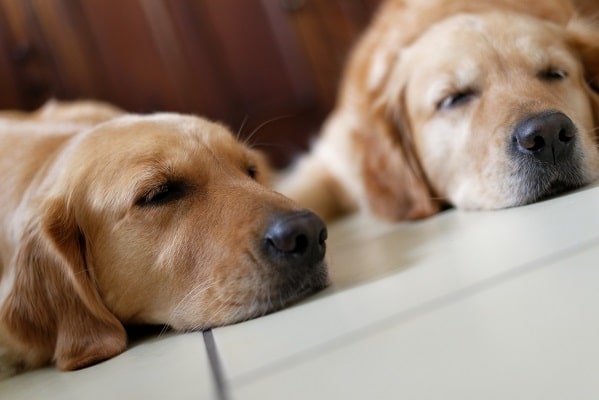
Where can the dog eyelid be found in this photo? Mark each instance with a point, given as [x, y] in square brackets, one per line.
[455, 99]
[252, 171]
[161, 194]
[553, 74]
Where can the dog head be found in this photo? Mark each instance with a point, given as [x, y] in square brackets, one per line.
[478, 111]
[160, 219]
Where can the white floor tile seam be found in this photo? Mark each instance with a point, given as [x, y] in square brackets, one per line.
[348, 338]
[529, 338]
[219, 382]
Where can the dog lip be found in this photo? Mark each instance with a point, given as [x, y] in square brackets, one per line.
[287, 295]
[540, 188]
[559, 187]
[294, 287]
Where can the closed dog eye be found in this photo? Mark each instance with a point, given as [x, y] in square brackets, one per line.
[162, 194]
[553, 74]
[252, 172]
[456, 99]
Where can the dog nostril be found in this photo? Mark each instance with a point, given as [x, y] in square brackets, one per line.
[565, 135]
[533, 143]
[324, 235]
[301, 244]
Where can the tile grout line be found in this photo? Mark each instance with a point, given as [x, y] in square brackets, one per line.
[412, 313]
[215, 366]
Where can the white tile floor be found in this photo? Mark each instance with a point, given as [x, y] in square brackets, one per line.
[479, 305]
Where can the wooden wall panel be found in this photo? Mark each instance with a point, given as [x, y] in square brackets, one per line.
[138, 77]
[10, 94]
[206, 85]
[267, 68]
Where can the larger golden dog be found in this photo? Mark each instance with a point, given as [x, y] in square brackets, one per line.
[158, 219]
[479, 104]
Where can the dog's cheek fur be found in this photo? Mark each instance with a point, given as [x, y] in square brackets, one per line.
[54, 310]
[584, 38]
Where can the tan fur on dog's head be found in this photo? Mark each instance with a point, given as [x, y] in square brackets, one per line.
[161, 219]
[462, 109]
[431, 101]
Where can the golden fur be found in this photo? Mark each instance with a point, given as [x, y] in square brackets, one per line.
[158, 219]
[432, 97]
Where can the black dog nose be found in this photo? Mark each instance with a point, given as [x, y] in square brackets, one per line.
[547, 136]
[296, 239]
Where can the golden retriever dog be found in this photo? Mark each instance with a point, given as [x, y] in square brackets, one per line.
[478, 105]
[159, 219]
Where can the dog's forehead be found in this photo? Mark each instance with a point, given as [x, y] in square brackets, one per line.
[128, 146]
[488, 35]
[135, 136]
[471, 49]
[165, 125]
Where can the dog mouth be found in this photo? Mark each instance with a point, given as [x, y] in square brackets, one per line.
[554, 190]
[277, 295]
[560, 187]
[317, 282]
[287, 292]
[540, 182]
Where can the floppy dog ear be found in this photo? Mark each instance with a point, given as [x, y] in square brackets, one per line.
[54, 307]
[584, 37]
[396, 187]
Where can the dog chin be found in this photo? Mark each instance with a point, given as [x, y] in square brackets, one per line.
[284, 295]
[536, 181]
[543, 190]
[291, 293]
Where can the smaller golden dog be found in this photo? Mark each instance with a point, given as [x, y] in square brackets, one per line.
[109, 219]
[475, 104]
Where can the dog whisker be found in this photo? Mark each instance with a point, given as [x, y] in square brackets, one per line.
[247, 140]
[188, 297]
[240, 130]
